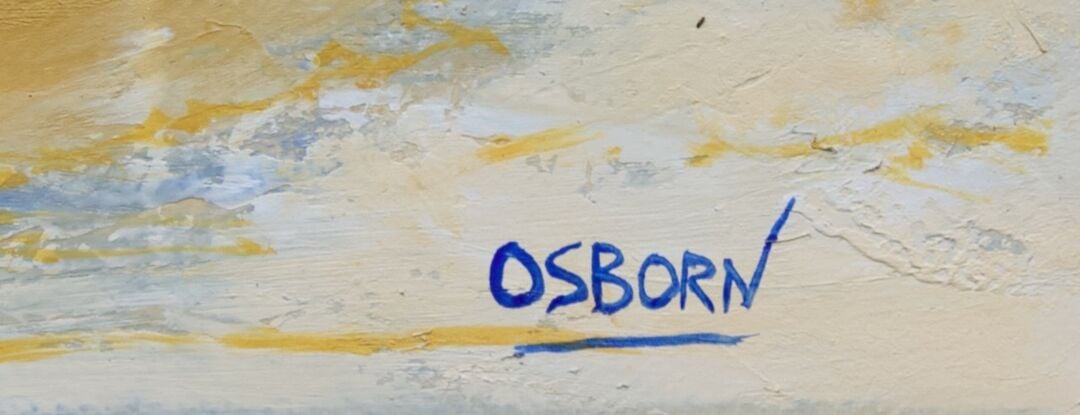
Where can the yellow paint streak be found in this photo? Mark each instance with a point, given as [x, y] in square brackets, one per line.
[333, 61]
[706, 153]
[366, 343]
[864, 10]
[200, 114]
[99, 153]
[503, 147]
[241, 247]
[31, 243]
[915, 158]
[460, 36]
[41, 346]
[929, 125]
[495, 336]
[921, 127]
[44, 346]
[903, 177]
[37, 347]
[10, 179]
[1021, 140]
[27, 244]
[7, 217]
[883, 132]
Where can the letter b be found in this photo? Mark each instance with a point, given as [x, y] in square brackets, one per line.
[601, 274]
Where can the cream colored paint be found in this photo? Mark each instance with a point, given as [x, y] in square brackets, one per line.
[880, 297]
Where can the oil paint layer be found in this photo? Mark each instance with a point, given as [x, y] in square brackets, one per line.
[625, 206]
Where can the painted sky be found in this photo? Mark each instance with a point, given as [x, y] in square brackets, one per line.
[230, 207]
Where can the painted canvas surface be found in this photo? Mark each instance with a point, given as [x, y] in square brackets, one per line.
[624, 206]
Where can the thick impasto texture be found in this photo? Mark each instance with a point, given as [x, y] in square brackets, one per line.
[631, 206]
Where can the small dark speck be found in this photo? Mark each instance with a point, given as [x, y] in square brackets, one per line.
[701, 22]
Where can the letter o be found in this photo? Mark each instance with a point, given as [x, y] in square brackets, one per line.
[669, 293]
[495, 280]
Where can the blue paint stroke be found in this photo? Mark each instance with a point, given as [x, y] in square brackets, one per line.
[630, 342]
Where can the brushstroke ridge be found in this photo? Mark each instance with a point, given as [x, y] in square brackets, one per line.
[625, 342]
[922, 128]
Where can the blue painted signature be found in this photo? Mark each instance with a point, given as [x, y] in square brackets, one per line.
[694, 268]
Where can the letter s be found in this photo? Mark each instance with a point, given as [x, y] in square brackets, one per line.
[581, 293]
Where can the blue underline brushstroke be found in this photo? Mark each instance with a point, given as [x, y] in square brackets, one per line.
[629, 342]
